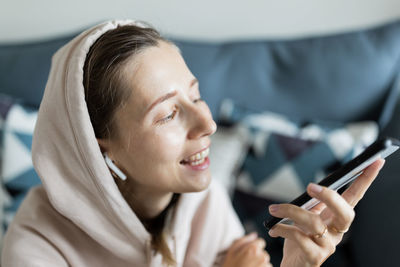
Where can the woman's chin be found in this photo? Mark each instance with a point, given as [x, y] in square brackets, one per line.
[197, 183]
[196, 178]
[203, 186]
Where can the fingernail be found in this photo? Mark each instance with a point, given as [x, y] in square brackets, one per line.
[273, 208]
[253, 235]
[271, 232]
[315, 188]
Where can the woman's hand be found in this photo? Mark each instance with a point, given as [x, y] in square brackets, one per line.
[316, 233]
[247, 251]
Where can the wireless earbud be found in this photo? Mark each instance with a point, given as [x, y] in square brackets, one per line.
[113, 167]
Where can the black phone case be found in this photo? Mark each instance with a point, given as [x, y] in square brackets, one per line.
[370, 151]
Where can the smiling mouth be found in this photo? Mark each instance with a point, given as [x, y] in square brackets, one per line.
[197, 158]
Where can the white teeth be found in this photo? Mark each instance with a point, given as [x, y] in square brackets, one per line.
[199, 157]
[198, 162]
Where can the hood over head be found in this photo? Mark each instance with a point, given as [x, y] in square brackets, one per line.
[69, 161]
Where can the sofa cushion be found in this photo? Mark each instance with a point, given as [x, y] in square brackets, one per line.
[284, 156]
[25, 68]
[228, 148]
[17, 172]
[338, 77]
[341, 77]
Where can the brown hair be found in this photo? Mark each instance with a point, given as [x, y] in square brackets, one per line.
[106, 90]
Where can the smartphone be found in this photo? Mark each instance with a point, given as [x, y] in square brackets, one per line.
[380, 149]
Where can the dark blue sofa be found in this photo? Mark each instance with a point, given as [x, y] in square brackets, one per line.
[344, 77]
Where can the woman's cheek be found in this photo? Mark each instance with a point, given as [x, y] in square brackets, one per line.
[168, 144]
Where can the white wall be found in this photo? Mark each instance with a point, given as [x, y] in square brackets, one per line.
[210, 19]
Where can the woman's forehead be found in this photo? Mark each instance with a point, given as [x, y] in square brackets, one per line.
[156, 71]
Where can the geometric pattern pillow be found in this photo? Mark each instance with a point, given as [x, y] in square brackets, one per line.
[284, 156]
[278, 168]
[281, 166]
[17, 172]
[5, 105]
[228, 148]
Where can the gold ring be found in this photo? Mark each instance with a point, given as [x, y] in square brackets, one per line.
[321, 234]
[337, 230]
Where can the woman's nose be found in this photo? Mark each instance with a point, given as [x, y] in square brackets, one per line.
[202, 123]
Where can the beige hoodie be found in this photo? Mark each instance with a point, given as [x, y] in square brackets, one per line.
[79, 217]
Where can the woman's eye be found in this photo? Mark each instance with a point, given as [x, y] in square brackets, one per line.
[172, 115]
[197, 100]
[169, 117]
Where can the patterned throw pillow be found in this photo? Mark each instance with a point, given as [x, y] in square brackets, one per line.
[17, 172]
[284, 156]
[5, 105]
[280, 166]
[228, 148]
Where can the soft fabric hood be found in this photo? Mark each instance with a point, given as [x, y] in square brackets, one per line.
[68, 159]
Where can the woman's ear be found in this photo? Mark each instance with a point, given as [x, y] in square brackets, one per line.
[114, 167]
[103, 144]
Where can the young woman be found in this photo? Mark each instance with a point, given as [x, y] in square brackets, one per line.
[121, 145]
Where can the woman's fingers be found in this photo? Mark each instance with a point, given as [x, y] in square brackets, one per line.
[310, 222]
[308, 244]
[265, 259]
[343, 212]
[317, 232]
[247, 251]
[239, 243]
[253, 247]
[315, 249]
[358, 188]
[318, 208]
[253, 253]
[259, 243]
[307, 221]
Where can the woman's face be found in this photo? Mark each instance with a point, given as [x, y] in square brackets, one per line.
[163, 129]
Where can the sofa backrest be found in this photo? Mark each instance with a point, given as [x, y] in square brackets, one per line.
[342, 77]
[24, 68]
[345, 77]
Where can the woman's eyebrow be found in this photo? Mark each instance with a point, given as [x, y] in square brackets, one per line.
[168, 95]
[160, 100]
